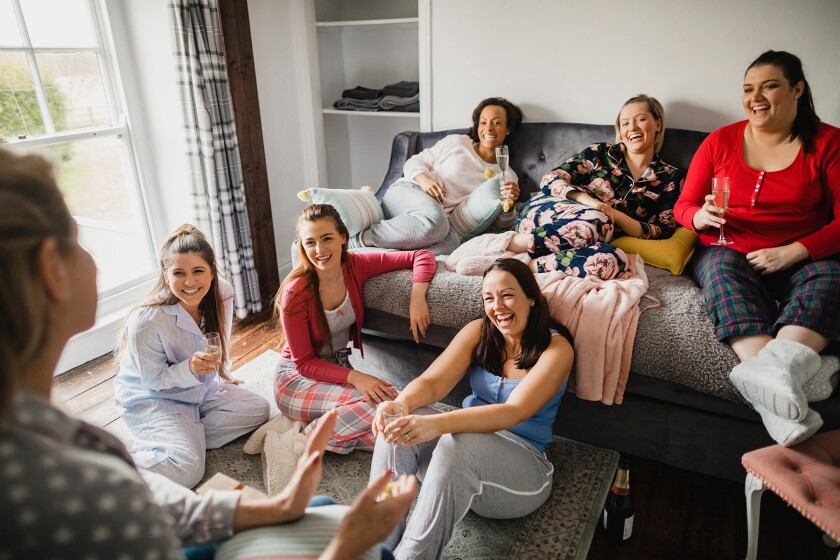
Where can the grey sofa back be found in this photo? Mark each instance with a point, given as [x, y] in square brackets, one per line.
[537, 148]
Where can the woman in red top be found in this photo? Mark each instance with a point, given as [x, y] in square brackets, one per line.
[774, 293]
[320, 310]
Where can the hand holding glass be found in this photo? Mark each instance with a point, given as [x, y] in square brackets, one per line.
[720, 189]
[390, 411]
[213, 347]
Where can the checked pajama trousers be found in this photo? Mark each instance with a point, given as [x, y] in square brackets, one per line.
[305, 399]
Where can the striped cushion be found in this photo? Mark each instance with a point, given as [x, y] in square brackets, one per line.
[478, 211]
[359, 209]
[305, 538]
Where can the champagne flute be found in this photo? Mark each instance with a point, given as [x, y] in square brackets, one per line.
[502, 159]
[213, 347]
[391, 411]
[720, 188]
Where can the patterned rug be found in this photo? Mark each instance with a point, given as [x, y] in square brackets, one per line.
[562, 528]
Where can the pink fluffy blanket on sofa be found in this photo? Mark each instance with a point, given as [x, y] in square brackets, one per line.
[602, 315]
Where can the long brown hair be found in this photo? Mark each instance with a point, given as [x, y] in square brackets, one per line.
[490, 351]
[305, 268]
[188, 239]
[32, 210]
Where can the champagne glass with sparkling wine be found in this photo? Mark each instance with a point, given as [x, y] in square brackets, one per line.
[391, 411]
[502, 159]
[213, 346]
[720, 188]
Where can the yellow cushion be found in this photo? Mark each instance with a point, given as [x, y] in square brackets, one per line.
[671, 254]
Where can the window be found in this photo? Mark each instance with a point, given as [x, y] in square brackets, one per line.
[59, 97]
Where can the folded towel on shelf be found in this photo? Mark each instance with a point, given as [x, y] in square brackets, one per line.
[361, 92]
[402, 89]
[346, 104]
[397, 103]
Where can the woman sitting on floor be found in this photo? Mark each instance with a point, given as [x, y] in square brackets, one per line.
[438, 179]
[320, 311]
[70, 489]
[518, 370]
[604, 192]
[177, 399]
[783, 222]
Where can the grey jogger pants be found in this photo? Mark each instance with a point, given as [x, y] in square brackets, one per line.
[497, 475]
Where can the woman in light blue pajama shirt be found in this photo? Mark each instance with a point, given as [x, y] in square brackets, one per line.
[177, 400]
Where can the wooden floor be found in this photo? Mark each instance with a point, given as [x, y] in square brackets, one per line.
[679, 514]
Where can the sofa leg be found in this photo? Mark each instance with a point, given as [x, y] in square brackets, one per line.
[754, 489]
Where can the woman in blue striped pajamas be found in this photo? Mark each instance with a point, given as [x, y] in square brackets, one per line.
[518, 370]
[177, 400]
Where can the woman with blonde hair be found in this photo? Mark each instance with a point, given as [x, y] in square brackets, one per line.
[176, 399]
[70, 489]
[604, 192]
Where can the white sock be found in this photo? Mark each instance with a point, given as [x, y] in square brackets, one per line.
[823, 383]
[787, 432]
[774, 378]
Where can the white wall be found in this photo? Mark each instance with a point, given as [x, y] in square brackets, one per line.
[272, 37]
[578, 62]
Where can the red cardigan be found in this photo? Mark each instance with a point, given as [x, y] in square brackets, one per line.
[303, 341]
[793, 204]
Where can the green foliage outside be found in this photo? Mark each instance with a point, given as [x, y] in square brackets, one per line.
[19, 111]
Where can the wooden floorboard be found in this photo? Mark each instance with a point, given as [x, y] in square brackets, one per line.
[679, 514]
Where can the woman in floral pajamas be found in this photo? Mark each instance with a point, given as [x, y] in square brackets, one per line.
[604, 192]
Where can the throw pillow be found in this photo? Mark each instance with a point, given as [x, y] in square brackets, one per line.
[671, 254]
[359, 209]
[478, 211]
[306, 538]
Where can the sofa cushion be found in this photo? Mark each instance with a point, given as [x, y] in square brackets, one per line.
[478, 211]
[671, 254]
[359, 209]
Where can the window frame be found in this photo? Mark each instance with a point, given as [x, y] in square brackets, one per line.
[116, 297]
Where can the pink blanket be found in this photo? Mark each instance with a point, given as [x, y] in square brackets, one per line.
[602, 315]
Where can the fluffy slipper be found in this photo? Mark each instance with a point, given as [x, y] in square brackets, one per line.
[786, 432]
[820, 387]
[774, 378]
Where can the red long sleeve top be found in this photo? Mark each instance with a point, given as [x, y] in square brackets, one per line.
[298, 316]
[769, 209]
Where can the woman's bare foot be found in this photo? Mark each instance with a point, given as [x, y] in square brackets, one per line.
[519, 243]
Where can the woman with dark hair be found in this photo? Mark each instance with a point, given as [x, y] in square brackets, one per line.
[178, 400]
[488, 456]
[320, 310]
[438, 179]
[782, 221]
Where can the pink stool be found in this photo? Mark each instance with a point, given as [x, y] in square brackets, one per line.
[806, 476]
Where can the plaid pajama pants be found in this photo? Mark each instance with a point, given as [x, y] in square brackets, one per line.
[305, 399]
[743, 302]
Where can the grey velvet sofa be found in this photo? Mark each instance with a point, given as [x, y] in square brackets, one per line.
[679, 407]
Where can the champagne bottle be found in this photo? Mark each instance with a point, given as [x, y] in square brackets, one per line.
[618, 510]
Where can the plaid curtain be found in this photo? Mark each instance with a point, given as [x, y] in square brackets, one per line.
[214, 167]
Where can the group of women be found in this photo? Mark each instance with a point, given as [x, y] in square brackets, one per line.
[773, 294]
